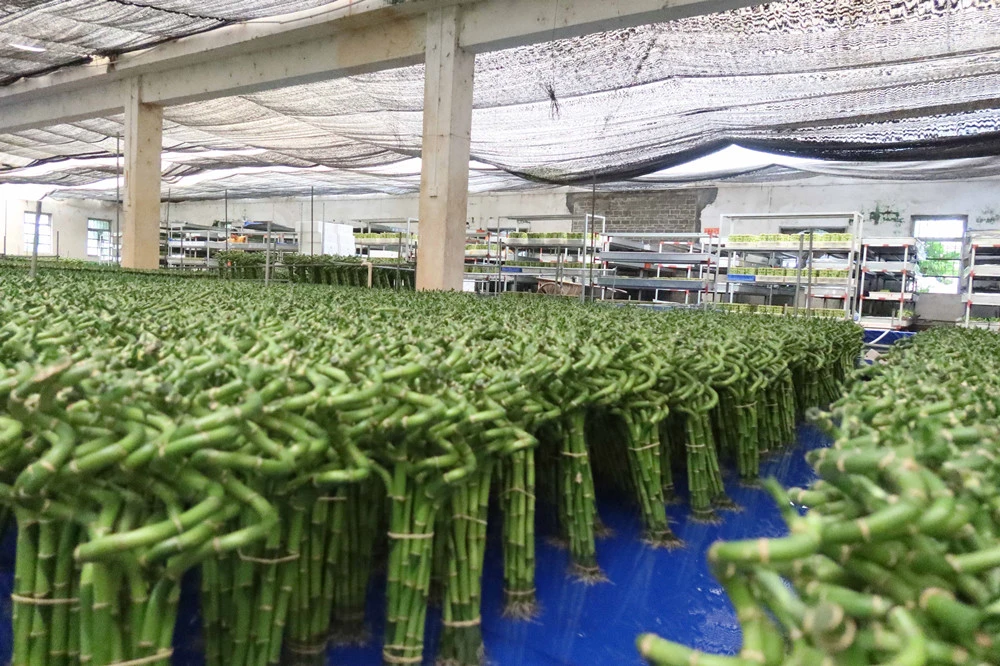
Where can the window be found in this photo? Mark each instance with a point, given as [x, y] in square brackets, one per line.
[940, 253]
[99, 240]
[44, 233]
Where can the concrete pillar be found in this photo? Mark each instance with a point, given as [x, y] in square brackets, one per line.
[143, 144]
[444, 181]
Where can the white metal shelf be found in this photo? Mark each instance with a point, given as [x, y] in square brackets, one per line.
[890, 242]
[551, 243]
[889, 267]
[886, 323]
[984, 241]
[988, 325]
[889, 296]
[983, 270]
[983, 299]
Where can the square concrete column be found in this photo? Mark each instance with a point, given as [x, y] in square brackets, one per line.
[143, 145]
[444, 180]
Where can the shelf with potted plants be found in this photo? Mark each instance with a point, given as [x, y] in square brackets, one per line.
[814, 268]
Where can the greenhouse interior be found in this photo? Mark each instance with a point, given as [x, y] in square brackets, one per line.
[507, 332]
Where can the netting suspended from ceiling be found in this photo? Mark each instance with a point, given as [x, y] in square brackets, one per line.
[36, 36]
[860, 80]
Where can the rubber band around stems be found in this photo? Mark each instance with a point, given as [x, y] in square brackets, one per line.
[331, 499]
[152, 659]
[411, 537]
[644, 448]
[281, 560]
[463, 625]
[519, 593]
[519, 490]
[393, 659]
[35, 601]
[574, 455]
[470, 519]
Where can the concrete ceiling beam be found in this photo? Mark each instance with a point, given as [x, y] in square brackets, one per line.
[345, 39]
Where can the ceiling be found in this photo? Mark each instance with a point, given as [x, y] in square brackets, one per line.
[863, 81]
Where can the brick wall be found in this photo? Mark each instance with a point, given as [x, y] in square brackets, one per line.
[663, 210]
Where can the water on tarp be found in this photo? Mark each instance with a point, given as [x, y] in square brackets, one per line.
[671, 593]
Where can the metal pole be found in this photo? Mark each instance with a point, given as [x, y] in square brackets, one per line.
[267, 257]
[169, 228]
[586, 231]
[225, 198]
[34, 247]
[499, 258]
[57, 245]
[312, 221]
[587, 240]
[118, 201]
[809, 289]
[798, 275]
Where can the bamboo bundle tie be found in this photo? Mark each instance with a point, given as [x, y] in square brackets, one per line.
[463, 624]
[645, 448]
[151, 659]
[36, 601]
[259, 560]
[471, 519]
[393, 659]
[412, 537]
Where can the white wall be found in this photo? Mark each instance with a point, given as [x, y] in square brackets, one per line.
[69, 224]
[978, 200]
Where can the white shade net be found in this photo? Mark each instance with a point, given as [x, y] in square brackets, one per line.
[854, 81]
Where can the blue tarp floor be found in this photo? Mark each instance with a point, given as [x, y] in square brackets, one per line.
[671, 593]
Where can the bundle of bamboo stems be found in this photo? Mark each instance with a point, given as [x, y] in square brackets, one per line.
[277, 440]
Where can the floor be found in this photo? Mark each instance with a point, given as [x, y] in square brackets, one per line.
[670, 593]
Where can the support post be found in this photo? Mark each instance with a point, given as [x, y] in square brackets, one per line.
[34, 243]
[444, 179]
[143, 144]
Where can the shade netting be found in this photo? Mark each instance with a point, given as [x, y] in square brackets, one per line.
[849, 80]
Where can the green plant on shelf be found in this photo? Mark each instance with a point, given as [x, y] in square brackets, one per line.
[788, 239]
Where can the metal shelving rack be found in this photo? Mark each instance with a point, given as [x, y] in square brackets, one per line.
[807, 248]
[982, 276]
[397, 237]
[888, 260]
[667, 262]
[547, 257]
[189, 246]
